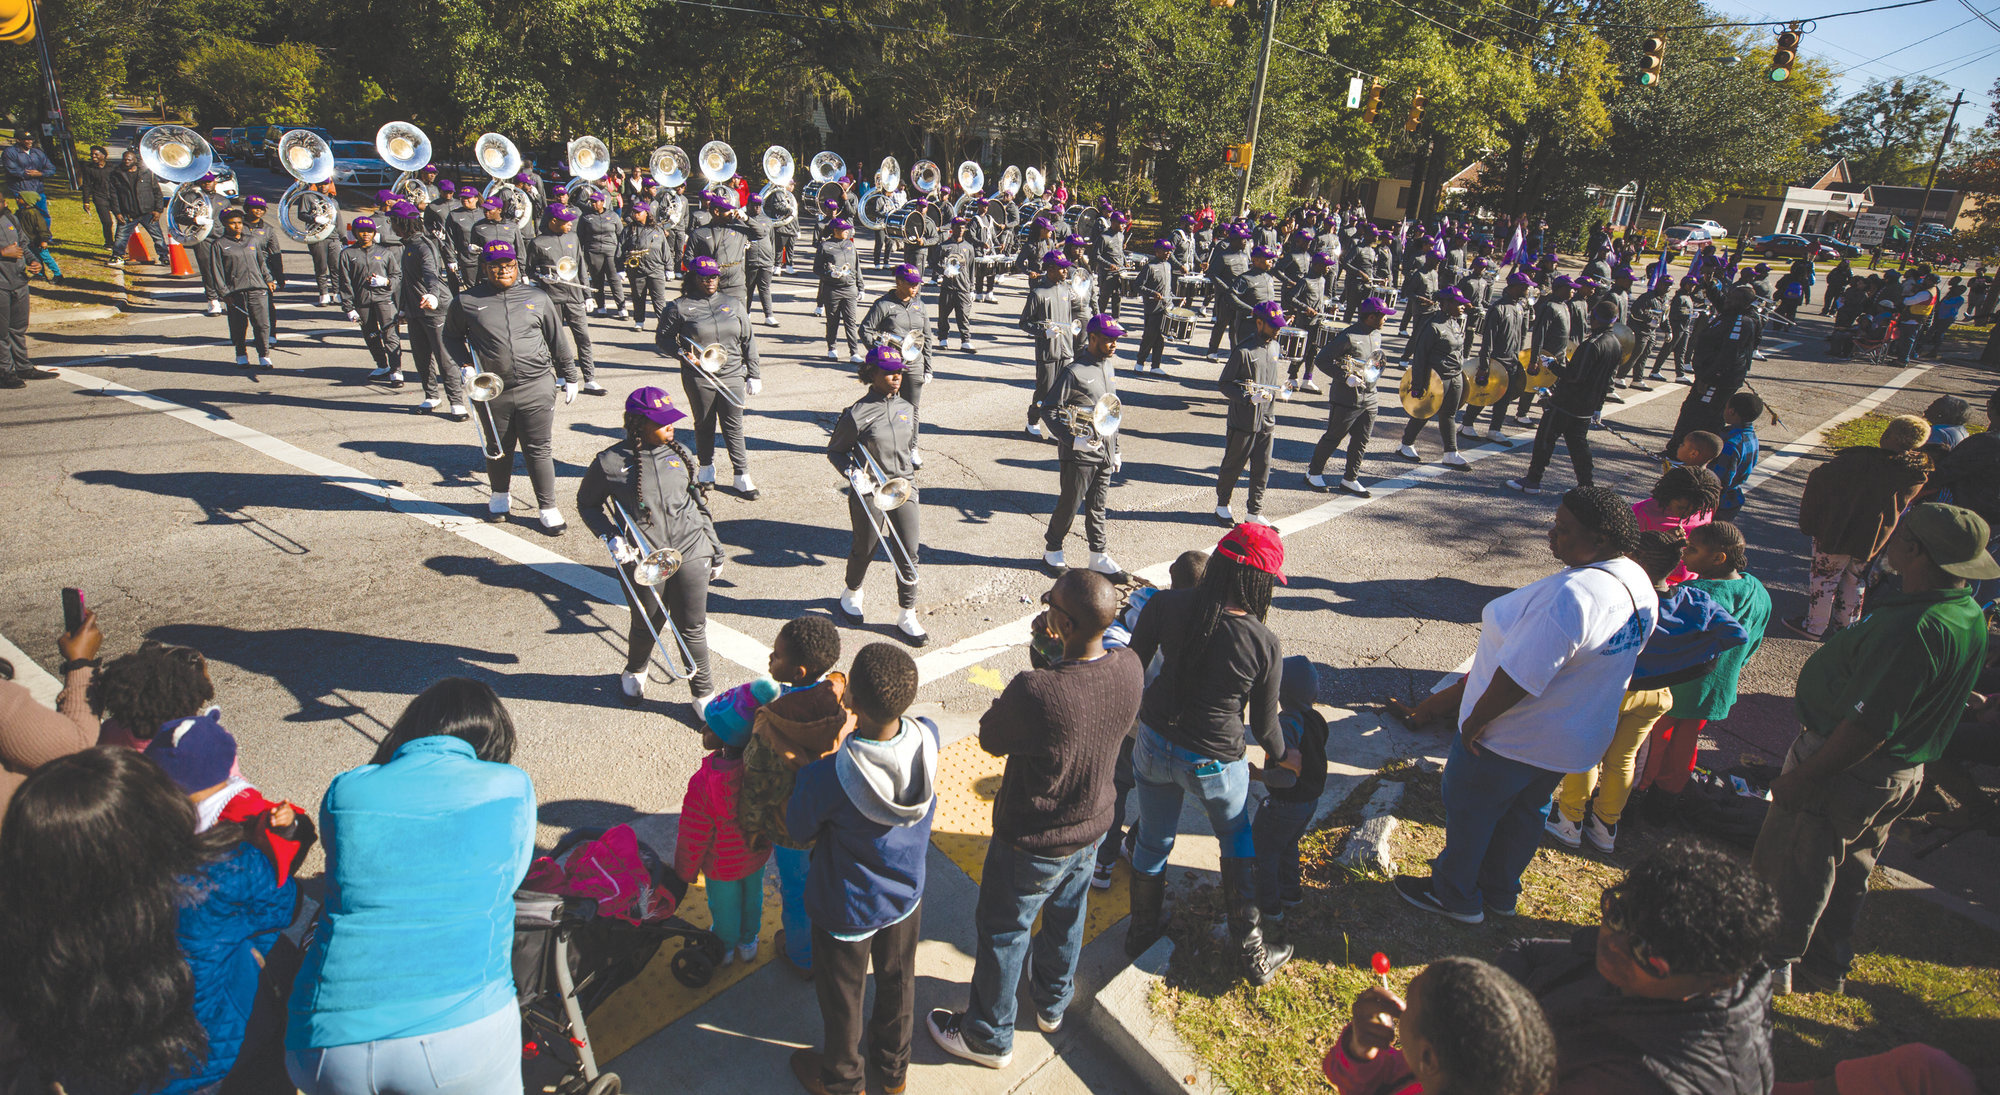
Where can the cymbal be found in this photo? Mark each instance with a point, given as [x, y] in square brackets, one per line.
[1536, 377]
[1425, 404]
[1491, 390]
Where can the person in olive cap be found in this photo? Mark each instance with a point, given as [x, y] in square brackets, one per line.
[1876, 702]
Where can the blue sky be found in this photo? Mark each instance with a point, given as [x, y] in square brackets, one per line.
[1942, 38]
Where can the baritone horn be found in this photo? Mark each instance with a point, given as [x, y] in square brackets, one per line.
[653, 566]
[717, 161]
[175, 153]
[1096, 421]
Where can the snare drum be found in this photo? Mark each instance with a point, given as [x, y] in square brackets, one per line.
[1190, 284]
[1179, 324]
[1292, 343]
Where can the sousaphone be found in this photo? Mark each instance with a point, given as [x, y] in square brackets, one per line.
[406, 148]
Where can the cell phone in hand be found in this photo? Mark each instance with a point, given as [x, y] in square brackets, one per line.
[72, 609]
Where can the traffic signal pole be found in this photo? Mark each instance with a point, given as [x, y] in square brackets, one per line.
[1257, 101]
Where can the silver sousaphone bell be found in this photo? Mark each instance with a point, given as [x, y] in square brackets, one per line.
[175, 153]
[926, 177]
[827, 166]
[190, 215]
[307, 215]
[306, 156]
[668, 165]
[717, 161]
[778, 165]
[404, 147]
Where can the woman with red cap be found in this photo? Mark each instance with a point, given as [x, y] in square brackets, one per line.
[871, 445]
[653, 477]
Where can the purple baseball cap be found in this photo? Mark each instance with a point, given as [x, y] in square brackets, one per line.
[1563, 281]
[1043, 223]
[384, 197]
[1454, 294]
[490, 203]
[1262, 252]
[1104, 326]
[839, 224]
[362, 224]
[404, 211]
[563, 213]
[886, 359]
[720, 201]
[656, 405]
[523, 178]
[210, 177]
[1321, 258]
[1621, 272]
[446, 186]
[704, 266]
[1057, 260]
[958, 222]
[1479, 264]
[1163, 244]
[1374, 306]
[1074, 240]
[1519, 277]
[1237, 231]
[830, 205]
[497, 251]
[254, 202]
[1267, 217]
[909, 275]
[1187, 218]
[1271, 312]
[1689, 281]
[756, 199]
[428, 169]
[1302, 236]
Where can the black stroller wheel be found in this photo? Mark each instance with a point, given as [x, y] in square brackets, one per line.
[605, 1084]
[692, 968]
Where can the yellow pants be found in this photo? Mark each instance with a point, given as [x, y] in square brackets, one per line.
[1636, 716]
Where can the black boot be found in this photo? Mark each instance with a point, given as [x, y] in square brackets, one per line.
[1149, 893]
[1261, 957]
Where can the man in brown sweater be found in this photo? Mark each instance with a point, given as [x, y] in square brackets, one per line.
[1059, 729]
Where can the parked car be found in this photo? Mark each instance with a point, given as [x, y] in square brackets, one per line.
[257, 144]
[355, 163]
[219, 138]
[1784, 245]
[1715, 231]
[225, 182]
[1841, 248]
[1687, 239]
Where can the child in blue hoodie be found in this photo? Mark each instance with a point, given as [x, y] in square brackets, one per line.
[868, 810]
[1739, 451]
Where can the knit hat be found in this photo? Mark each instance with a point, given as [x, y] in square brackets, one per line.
[1904, 432]
[734, 710]
[195, 753]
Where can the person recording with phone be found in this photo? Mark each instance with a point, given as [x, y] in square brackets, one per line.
[32, 735]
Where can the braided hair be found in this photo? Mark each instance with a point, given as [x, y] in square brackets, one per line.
[1223, 583]
[1600, 510]
[1658, 552]
[1683, 482]
[636, 426]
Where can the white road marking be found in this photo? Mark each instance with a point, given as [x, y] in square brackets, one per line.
[1769, 467]
[592, 582]
[29, 674]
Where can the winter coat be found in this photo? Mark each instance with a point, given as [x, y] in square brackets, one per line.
[1851, 502]
[790, 732]
[710, 842]
[232, 913]
[868, 809]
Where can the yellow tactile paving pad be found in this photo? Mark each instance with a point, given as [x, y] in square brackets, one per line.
[968, 780]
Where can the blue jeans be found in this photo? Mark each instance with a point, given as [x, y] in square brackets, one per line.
[792, 864]
[1276, 832]
[1166, 772]
[736, 909]
[482, 1057]
[1014, 887]
[1494, 809]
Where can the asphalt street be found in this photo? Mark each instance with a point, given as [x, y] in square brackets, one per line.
[317, 538]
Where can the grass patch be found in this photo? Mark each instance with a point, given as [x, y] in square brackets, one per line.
[1867, 430]
[1925, 974]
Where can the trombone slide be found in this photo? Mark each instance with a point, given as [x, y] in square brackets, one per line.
[649, 602]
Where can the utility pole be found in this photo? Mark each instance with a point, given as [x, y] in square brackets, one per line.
[1930, 181]
[1257, 101]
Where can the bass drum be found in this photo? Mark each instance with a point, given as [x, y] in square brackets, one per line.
[1004, 214]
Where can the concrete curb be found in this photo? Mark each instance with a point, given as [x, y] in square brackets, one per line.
[90, 314]
[1143, 1038]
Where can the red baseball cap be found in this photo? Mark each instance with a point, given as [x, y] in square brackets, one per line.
[1255, 546]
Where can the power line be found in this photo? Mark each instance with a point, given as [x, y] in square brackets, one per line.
[1912, 45]
[1982, 16]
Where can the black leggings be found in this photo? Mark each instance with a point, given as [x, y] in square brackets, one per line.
[1239, 448]
[1352, 423]
[1574, 430]
[861, 551]
[685, 597]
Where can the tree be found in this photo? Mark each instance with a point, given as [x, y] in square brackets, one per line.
[1889, 129]
[226, 79]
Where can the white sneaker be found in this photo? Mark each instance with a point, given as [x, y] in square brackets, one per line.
[747, 953]
[1218, 355]
[700, 705]
[1601, 836]
[243, 360]
[851, 602]
[594, 388]
[1496, 435]
[1316, 482]
[624, 313]
[832, 354]
[1256, 519]
[1307, 385]
[633, 685]
[706, 474]
[325, 300]
[916, 458]
[1568, 832]
[965, 345]
[380, 372]
[728, 956]
[1455, 459]
[458, 411]
[1524, 486]
[430, 404]
[743, 485]
[1103, 563]
[1034, 429]
[552, 520]
[1054, 559]
[1159, 369]
[858, 356]
[499, 504]
[946, 1031]
[1407, 452]
[396, 378]
[638, 324]
[1354, 487]
[264, 361]
[770, 321]
[912, 627]
[1222, 514]
[820, 312]
[215, 307]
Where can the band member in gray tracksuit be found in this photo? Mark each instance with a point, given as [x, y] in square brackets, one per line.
[760, 258]
[1156, 295]
[556, 261]
[1052, 315]
[724, 240]
[705, 317]
[369, 279]
[597, 236]
[871, 444]
[1439, 348]
[426, 294]
[1086, 458]
[511, 329]
[644, 251]
[1107, 258]
[459, 224]
[264, 237]
[896, 314]
[1348, 359]
[325, 253]
[246, 288]
[838, 266]
[958, 265]
[1229, 261]
[1506, 329]
[651, 476]
[1252, 381]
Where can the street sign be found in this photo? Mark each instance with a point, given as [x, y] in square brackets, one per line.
[1870, 229]
[1354, 93]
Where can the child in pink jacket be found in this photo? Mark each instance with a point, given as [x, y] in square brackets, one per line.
[1467, 1029]
[1684, 498]
[710, 844]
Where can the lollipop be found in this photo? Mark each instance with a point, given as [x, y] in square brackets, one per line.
[1381, 964]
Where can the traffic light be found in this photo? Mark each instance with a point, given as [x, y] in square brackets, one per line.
[1649, 65]
[1416, 113]
[1374, 102]
[1786, 55]
[1236, 156]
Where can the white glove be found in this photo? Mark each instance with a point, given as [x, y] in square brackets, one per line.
[377, 280]
[622, 551]
[467, 372]
[427, 302]
[452, 266]
[1117, 463]
[353, 315]
[754, 385]
[863, 486]
[569, 391]
[715, 572]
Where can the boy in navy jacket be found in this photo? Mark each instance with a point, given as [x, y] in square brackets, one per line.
[868, 810]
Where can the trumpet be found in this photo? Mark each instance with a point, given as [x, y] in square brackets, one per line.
[1093, 422]
[888, 494]
[653, 566]
[481, 388]
[1263, 395]
[709, 360]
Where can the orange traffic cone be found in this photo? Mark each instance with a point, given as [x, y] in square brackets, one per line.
[182, 268]
[139, 250]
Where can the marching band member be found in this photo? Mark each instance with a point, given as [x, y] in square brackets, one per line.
[882, 428]
[1420, 280]
[1250, 289]
[786, 237]
[1251, 381]
[723, 239]
[1350, 396]
[760, 257]
[1295, 263]
[1156, 295]
[464, 251]
[265, 239]
[1303, 298]
[1359, 263]
[1554, 322]
[1266, 232]
[440, 209]
[597, 245]
[325, 253]
[1041, 241]
[1578, 396]
[1204, 253]
[1108, 259]
[1643, 314]
[1476, 282]
[701, 318]
[492, 226]
[1439, 347]
[547, 254]
[1083, 281]
[1047, 314]
[425, 296]
[643, 248]
[369, 278]
[652, 476]
[840, 283]
[1505, 330]
[1184, 252]
[1228, 261]
[894, 315]
[204, 261]
[509, 328]
[986, 234]
[1681, 312]
[1085, 460]
[1722, 352]
[246, 284]
[955, 287]
[384, 233]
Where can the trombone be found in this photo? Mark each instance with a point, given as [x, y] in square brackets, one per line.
[481, 388]
[653, 566]
[888, 494]
[709, 360]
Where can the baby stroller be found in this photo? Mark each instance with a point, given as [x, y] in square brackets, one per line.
[1872, 340]
[568, 960]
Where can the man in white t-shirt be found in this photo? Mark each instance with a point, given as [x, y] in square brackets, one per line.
[1541, 701]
